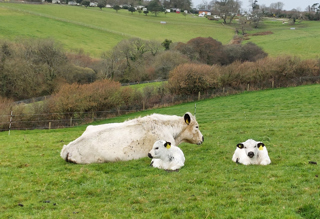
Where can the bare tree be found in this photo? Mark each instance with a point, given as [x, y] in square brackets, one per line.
[227, 9]
[256, 15]
[205, 5]
[294, 15]
[276, 8]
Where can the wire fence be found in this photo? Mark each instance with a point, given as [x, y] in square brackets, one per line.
[28, 121]
[17, 120]
[43, 121]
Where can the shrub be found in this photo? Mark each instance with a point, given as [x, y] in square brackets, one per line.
[248, 52]
[208, 50]
[100, 95]
[167, 61]
[190, 79]
[5, 108]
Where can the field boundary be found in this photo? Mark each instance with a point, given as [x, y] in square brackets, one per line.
[23, 121]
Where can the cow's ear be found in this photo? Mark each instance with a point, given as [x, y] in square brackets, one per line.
[240, 145]
[167, 145]
[187, 118]
[260, 146]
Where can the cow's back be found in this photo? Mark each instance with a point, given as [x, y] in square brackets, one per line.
[111, 142]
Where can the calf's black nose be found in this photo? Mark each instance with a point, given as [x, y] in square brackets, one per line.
[149, 155]
[250, 154]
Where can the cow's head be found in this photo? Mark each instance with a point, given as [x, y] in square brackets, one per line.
[251, 147]
[159, 149]
[190, 132]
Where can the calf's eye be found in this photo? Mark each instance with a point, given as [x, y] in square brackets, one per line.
[197, 127]
[156, 148]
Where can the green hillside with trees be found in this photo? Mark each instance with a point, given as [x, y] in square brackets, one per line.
[94, 30]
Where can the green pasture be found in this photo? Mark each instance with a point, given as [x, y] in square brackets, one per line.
[96, 30]
[299, 40]
[151, 84]
[36, 183]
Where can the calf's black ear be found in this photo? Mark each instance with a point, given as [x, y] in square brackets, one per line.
[260, 146]
[187, 118]
[167, 145]
[240, 145]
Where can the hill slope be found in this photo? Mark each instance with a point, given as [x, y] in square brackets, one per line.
[96, 30]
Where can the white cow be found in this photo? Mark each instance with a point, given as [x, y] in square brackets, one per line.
[131, 139]
[166, 156]
[251, 152]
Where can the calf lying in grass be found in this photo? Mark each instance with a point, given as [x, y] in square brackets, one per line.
[251, 152]
[166, 156]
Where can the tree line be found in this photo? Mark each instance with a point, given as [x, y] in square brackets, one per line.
[32, 68]
[186, 82]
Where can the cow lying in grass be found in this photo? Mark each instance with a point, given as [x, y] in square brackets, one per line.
[251, 152]
[131, 139]
[166, 156]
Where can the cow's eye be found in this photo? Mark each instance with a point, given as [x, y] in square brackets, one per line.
[255, 146]
[156, 148]
[245, 147]
[197, 127]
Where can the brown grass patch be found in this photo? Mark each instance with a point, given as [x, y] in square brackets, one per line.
[260, 33]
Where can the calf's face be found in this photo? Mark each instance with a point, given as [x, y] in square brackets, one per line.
[251, 147]
[159, 149]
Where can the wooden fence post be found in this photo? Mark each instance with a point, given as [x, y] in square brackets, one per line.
[10, 122]
[248, 87]
[71, 121]
[199, 95]
[272, 83]
[49, 125]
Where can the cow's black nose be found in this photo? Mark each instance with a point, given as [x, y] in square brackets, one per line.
[202, 139]
[250, 154]
[149, 155]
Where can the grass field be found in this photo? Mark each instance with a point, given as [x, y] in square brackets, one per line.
[300, 41]
[36, 183]
[95, 30]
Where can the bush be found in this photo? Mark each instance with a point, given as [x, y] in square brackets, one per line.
[5, 110]
[100, 95]
[190, 79]
[167, 61]
[248, 52]
[205, 50]
[32, 68]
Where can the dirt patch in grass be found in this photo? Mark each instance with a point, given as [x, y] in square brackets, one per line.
[238, 39]
[260, 33]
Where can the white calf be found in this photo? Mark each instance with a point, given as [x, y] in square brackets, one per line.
[251, 152]
[166, 156]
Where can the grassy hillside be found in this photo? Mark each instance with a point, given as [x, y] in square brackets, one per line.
[209, 186]
[95, 30]
[287, 39]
